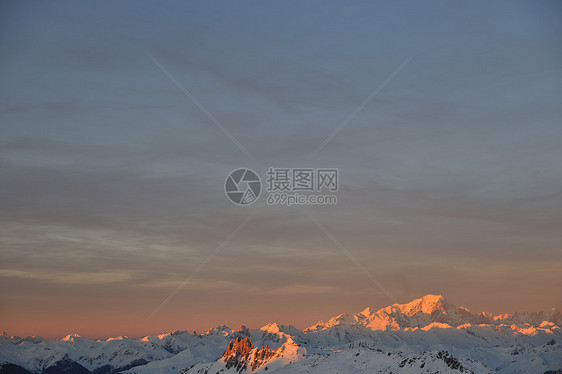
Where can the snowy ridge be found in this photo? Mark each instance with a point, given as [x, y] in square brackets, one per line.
[425, 335]
[432, 311]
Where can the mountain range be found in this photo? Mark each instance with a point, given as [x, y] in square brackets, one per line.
[426, 335]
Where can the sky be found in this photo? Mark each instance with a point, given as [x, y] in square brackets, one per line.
[120, 122]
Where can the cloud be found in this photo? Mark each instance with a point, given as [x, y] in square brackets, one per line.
[112, 179]
[69, 278]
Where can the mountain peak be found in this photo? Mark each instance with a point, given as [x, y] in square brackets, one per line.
[433, 298]
[272, 328]
[242, 356]
[426, 304]
[238, 347]
[221, 329]
[368, 311]
[70, 337]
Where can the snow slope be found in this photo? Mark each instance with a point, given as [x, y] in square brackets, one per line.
[425, 335]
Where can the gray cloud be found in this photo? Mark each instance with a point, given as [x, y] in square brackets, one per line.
[112, 179]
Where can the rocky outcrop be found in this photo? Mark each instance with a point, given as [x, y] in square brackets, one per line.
[238, 353]
[242, 355]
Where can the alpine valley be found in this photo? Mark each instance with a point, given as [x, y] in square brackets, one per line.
[426, 335]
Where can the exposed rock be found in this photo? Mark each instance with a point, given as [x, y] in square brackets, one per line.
[242, 355]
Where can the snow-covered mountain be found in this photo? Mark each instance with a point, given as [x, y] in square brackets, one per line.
[425, 335]
[242, 356]
[434, 311]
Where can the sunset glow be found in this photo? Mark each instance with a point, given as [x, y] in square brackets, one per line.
[183, 166]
